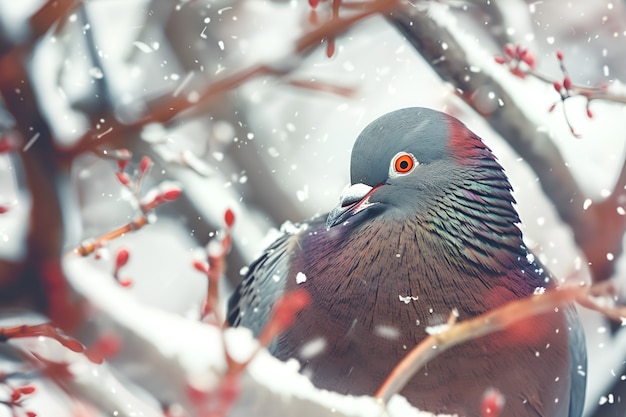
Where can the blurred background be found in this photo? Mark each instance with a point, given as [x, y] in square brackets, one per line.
[276, 147]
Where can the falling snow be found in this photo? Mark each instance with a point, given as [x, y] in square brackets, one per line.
[202, 150]
[312, 348]
[407, 299]
[387, 332]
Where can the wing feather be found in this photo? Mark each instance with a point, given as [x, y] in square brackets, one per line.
[251, 303]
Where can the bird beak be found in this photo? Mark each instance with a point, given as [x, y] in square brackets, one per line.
[354, 198]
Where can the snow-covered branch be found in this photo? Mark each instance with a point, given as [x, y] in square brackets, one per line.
[598, 229]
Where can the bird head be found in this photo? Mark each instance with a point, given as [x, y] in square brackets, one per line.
[416, 162]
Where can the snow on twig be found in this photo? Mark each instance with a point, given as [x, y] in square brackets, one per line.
[436, 35]
[493, 321]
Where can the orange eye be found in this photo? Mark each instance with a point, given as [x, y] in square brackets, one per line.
[404, 163]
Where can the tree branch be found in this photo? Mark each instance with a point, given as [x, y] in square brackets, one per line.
[41, 279]
[590, 225]
[48, 15]
[491, 322]
[167, 107]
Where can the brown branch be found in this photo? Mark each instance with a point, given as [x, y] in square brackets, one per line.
[495, 15]
[491, 322]
[49, 14]
[89, 246]
[167, 107]
[37, 330]
[336, 26]
[319, 86]
[591, 227]
[619, 190]
[40, 283]
[158, 198]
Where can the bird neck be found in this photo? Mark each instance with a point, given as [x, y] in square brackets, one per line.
[477, 218]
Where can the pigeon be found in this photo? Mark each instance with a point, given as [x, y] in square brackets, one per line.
[426, 228]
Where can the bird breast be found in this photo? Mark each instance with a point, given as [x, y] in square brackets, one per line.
[378, 288]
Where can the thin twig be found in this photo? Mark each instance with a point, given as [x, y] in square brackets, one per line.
[521, 63]
[590, 225]
[324, 87]
[491, 322]
[590, 93]
[167, 107]
[89, 246]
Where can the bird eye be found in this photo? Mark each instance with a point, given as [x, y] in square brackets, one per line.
[403, 163]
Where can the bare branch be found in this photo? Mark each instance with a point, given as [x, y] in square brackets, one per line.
[169, 106]
[521, 63]
[90, 245]
[49, 14]
[491, 322]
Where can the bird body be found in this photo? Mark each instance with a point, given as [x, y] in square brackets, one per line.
[426, 228]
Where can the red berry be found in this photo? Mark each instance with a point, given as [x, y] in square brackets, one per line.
[559, 55]
[31, 414]
[589, 113]
[509, 50]
[567, 82]
[492, 403]
[145, 165]
[6, 145]
[121, 258]
[171, 194]
[27, 389]
[557, 86]
[229, 218]
[499, 59]
[201, 266]
[122, 178]
[529, 59]
[3, 209]
[108, 345]
[518, 73]
[330, 48]
[15, 395]
[122, 164]
[314, 3]
[126, 282]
